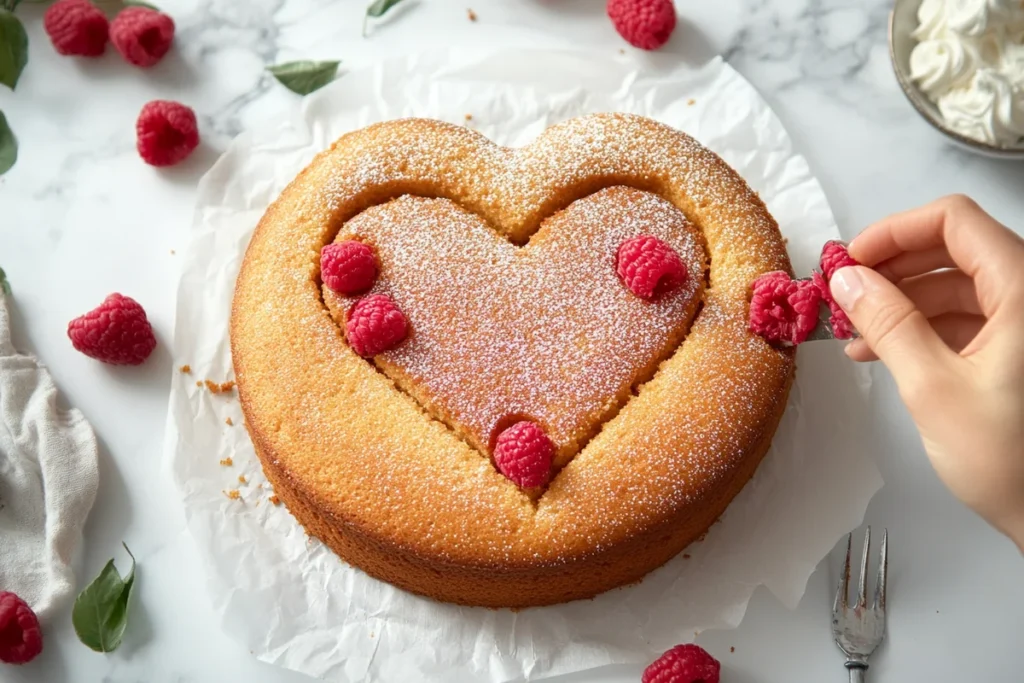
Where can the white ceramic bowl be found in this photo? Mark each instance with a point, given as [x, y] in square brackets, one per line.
[902, 23]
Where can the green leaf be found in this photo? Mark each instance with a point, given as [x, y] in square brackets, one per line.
[139, 3]
[8, 146]
[5, 286]
[13, 49]
[304, 77]
[100, 614]
[378, 8]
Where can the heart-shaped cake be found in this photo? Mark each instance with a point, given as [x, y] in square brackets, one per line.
[534, 381]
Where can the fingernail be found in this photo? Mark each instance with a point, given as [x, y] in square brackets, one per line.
[847, 287]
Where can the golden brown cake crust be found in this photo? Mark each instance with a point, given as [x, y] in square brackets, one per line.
[398, 494]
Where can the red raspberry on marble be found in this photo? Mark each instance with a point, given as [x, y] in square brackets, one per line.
[683, 664]
[115, 332]
[142, 35]
[646, 24]
[21, 640]
[166, 132]
[782, 309]
[842, 328]
[523, 453]
[348, 267]
[833, 257]
[375, 324]
[649, 266]
[77, 27]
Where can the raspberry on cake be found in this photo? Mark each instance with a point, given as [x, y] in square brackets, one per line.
[348, 267]
[383, 435]
[523, 453]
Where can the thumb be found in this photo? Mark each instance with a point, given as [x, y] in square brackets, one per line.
[895, 330]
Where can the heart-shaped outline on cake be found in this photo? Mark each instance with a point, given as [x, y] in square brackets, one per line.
[393, 491]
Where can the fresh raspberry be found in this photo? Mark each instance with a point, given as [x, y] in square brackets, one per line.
[115, 332]
[166, 132]
[648, 266]
[76, 27]
[142, 35]
[683, 664]
[783, 309]
[523, 453]
[348, 267]
[646, 24]
[842, 328]
[833, 257]
[374, 325]
[20, 638]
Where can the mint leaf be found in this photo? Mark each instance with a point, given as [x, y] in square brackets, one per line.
[8, 146]
[100, 614]
[378, 9]
[304, 77]
[5, 286]
[13, 49]
[139, 3]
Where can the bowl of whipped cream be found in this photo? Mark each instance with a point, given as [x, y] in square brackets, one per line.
[961, 65]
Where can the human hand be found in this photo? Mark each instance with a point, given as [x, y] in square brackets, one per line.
[941, 303]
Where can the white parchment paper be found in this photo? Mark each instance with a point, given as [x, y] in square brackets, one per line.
[294, 603]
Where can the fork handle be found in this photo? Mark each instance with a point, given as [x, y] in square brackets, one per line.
[858, 671]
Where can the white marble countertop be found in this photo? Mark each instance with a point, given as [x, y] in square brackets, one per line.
[81, 216]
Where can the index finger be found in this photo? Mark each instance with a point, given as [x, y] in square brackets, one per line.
[980, 246]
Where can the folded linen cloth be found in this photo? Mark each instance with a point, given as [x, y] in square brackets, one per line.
[48, 479]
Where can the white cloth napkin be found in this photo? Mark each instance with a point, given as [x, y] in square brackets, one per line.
[48, 479]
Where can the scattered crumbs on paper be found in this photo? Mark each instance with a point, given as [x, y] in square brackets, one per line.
[241, 479]
[469, 117]
[199, 382]
[185, 369]
[233, 494]
[691, 102]
[220, 388]
[275, 500]
[471, 14]
[228, 421]
[732, 649]
[227, 462]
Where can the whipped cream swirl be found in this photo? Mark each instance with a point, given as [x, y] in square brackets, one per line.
[969, 60]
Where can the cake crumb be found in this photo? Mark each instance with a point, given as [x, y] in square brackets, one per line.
[199, 382]
[233, 494]
[686, 556]
[241, 479]
[221, 388]
[172, 252]
[691, 102]
[471, 14]
[622, 50]
[185, 369]
[469, 117]
[732, 649]
[228, 422]
[275, 500]
[227, 462]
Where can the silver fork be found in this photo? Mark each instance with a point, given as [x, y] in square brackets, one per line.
[859, 629]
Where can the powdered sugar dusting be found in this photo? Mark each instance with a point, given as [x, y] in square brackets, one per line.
[546, 331]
